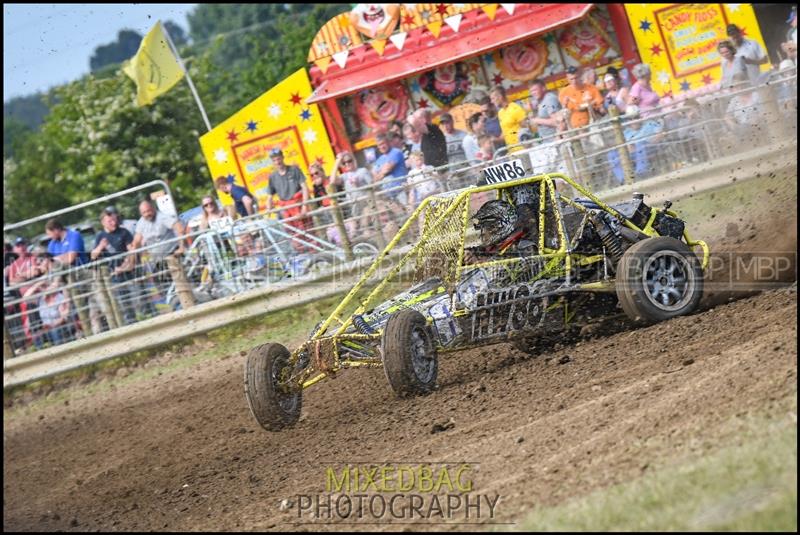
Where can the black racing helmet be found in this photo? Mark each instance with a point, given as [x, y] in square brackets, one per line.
[495, 220]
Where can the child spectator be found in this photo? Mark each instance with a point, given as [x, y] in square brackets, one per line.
[421, 182]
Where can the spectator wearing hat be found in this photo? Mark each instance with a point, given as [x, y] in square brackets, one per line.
[511, 115]
[579, 98]
[749, 50]
[113, 243]
[244, 201]
[454, 139]
[791, 35]
[289, 184]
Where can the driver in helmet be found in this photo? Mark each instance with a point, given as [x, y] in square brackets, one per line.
[507, 230]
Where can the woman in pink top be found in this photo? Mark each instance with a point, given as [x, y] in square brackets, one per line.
[642, 93]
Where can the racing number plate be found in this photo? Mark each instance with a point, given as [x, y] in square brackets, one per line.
[504, 172]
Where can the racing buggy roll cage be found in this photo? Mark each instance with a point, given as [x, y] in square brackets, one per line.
[362, 332]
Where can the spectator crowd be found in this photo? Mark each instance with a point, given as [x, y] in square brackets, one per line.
[412, 160]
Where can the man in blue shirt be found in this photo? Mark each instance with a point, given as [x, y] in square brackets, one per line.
[391, 164]
[245, 202]
[65, 245]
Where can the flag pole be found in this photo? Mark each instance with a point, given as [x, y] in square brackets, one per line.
[188, 78]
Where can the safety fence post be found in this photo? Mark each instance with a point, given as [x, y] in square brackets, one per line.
[182, 286]
[619, 141]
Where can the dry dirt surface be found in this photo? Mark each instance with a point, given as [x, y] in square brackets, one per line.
[182, 452]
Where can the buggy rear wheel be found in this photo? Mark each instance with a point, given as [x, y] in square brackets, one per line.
[273, 403]
[409, 353]
[658, 279]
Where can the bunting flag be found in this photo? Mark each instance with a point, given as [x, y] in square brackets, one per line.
[378, 45]
[399, 39]
[154, 68]
[509, 8]
[435, 28]
[341, 58]
[323, 64]
[239, 147]
[454, 22]
[490, 10]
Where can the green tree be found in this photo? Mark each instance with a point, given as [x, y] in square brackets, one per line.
[123, 48]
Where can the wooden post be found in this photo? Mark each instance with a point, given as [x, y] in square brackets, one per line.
[8, 343]
[619, 139]
[106, 297]
[376, 220]
[776, 125]
[182, 286]
[83, 315]
[339, 219]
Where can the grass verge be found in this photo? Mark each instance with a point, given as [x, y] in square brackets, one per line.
[748, 486]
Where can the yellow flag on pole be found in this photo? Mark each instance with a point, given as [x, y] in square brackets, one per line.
[154, 68]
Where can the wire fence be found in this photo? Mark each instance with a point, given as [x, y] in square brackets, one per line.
[355, 225]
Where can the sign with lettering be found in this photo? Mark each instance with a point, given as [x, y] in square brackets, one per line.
[679, 42]
[691, 33]
[504, 172]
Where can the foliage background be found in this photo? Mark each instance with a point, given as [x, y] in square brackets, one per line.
[87, 138]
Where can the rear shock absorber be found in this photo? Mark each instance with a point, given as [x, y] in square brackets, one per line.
[610, 239]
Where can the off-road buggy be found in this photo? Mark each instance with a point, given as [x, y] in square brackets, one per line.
[419, 300]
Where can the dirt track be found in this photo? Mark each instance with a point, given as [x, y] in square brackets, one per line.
[181, 451]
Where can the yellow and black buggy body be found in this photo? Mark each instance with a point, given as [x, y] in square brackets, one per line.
[423, 298]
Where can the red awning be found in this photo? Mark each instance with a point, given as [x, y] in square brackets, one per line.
[422, 52]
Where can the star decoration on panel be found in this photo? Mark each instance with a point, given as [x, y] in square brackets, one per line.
[422, 103]
[707, 80]
[645, 24]
[305, 115]
[274, 110]
[295, 99]
[656, 49]
[733, 8]
[663, 77]
[233, 137]
[408, 20]
[441, 9]
[309, 136]
[221, 155]
[497, 79]
[252, 126]
[320, 160]
[685, 85]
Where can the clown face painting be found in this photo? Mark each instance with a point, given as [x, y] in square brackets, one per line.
[446, 85]
[375, 21]
[379, 106]
[522, 61]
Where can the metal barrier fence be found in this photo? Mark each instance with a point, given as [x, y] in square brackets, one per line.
[356, 224]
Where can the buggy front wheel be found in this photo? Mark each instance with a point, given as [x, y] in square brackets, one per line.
[658, 279]
[409, 353]
[274, 403]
